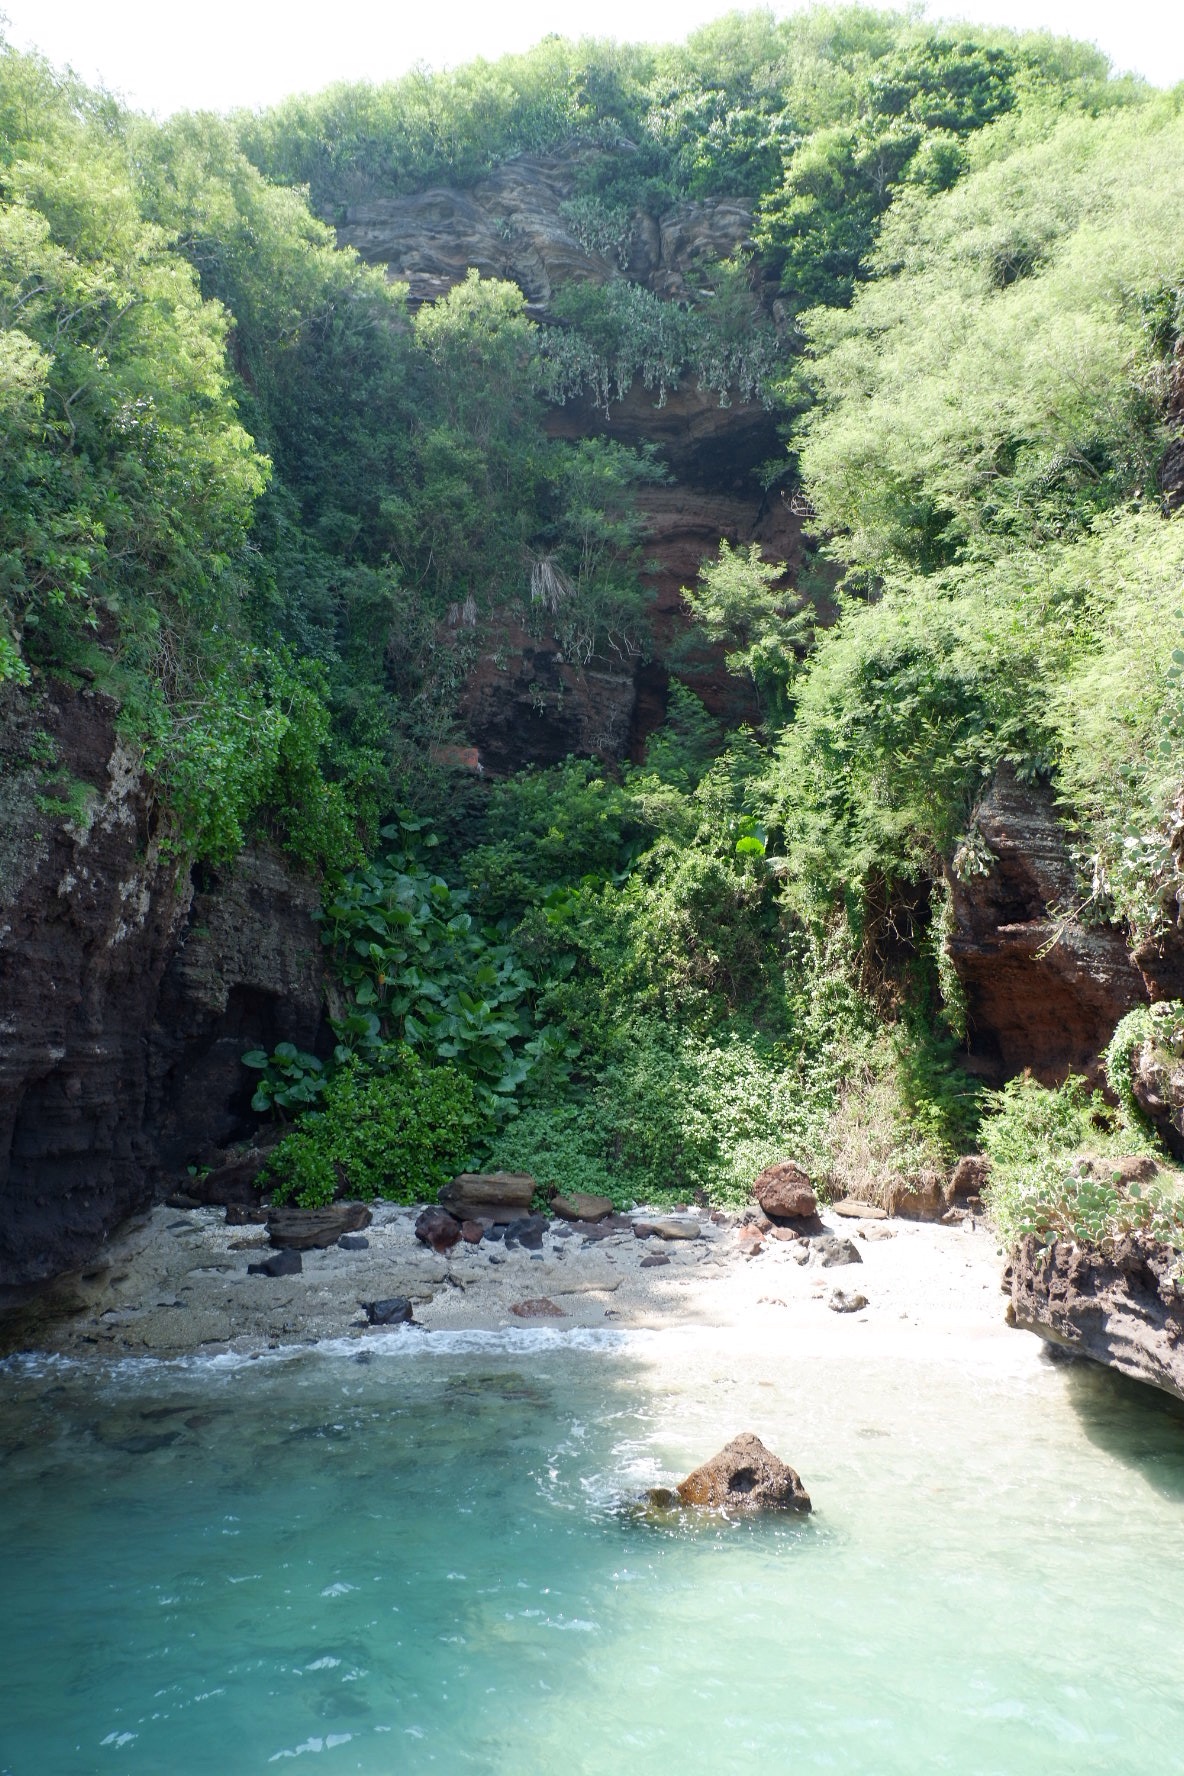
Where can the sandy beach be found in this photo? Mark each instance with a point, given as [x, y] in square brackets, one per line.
[177, 1282]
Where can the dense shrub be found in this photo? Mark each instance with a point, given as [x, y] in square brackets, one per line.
[399, 1132]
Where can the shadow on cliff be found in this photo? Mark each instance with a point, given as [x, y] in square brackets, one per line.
[1130, 1421]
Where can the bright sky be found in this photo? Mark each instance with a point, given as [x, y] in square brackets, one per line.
[164, 56]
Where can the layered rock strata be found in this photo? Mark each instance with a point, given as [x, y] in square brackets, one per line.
[1044, 991]
[127, 993]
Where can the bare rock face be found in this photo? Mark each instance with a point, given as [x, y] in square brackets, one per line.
[524, 702]
[1171, 472]
[784, 1189]
[918, 1199]
[1122, 1309]
[969, 1177]
[246, 972]
[515, 225]
[1041, 993]
[744, 1476]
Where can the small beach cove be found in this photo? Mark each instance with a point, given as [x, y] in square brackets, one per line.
[178, 1283]
[406, 1550]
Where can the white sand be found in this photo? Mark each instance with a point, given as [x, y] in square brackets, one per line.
[176, 1282]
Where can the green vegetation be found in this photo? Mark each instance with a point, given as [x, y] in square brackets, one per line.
[279, 517]
[1039, 1186]
[398, 1131]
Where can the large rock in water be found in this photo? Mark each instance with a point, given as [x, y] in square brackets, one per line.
[1123, 1310]
[744, 1476]
[784, 1189]
[300, 1230]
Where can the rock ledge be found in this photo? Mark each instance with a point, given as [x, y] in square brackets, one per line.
[1124, 1309]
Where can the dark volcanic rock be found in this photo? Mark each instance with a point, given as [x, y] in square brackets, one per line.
[282, 1264]
[527, 1232]
[1042, 992]
[90, 910]
[437, 1229]
[834, 1250]
[784, 1191]
[354, 1242]
[246, 1214]
[129, 990]
[247, 972]
[234, 1180]
[1123, 1309]
[744, 1476]
[300, 1230]
[396, 1310]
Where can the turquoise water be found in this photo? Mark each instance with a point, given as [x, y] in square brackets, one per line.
[415, 1557]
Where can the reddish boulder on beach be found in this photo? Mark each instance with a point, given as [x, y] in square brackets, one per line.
[438, 1229]
[784, 1190]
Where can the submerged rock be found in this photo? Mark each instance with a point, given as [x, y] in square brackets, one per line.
[438, 1229]
[302, 1230]
[1124, 1309]
[784, 1189]
[744, 1476]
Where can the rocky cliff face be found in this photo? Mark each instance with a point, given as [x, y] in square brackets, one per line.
[125, 997]
[518, 225]
[1123, 1308]
[524, 703]
[1044, 992]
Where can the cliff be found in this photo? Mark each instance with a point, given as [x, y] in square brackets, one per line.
[128, 991]
[1121, 1308]
[1043, 989]
[524, 703]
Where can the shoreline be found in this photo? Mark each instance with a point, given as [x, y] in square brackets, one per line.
[175, 1284]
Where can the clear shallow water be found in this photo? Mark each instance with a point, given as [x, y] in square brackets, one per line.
[414, 1558]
